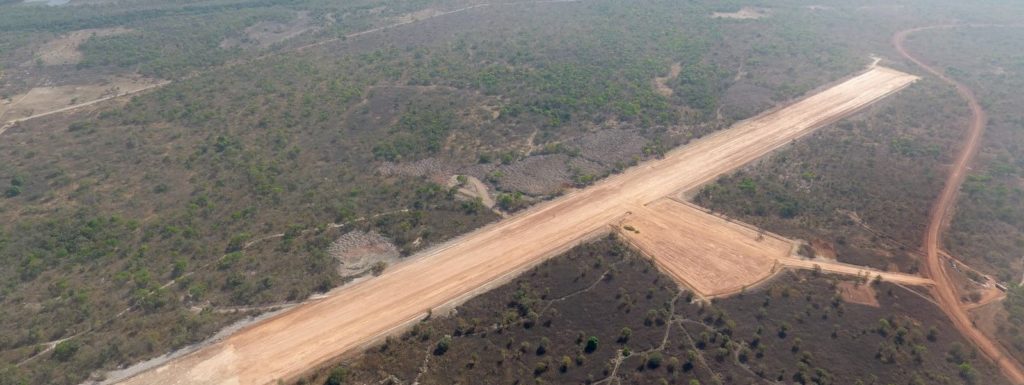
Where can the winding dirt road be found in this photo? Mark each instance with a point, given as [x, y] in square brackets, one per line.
[312, 334]
[941, 212]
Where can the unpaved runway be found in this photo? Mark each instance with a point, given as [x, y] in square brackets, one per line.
[941, 213]
[287, 345]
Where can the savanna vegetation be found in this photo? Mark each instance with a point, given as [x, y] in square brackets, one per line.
[137, 227]
[987, 231]
[600, 313]
[863, 187]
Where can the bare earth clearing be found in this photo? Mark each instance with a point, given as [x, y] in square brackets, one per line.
[352, 317]
[42, 101]
[711, 255]
[717, 257]
[743, 14]
[64, 50]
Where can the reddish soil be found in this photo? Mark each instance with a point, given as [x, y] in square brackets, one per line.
[944, 291]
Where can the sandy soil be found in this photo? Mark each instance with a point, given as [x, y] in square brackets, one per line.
[854, 270]
[718, 257]
[711, 255]
[941, 213]
[744, 13]
[357, 315]
[862, 294]
[64, 50]
[44, 100]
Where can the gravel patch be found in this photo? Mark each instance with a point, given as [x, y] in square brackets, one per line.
[610, 147]
[431, 168]
[536, 175]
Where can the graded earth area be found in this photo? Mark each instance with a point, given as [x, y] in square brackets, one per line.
[286, 346]
[715, 256]
[711, 255]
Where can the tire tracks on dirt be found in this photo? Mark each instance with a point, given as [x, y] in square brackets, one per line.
[942, 211]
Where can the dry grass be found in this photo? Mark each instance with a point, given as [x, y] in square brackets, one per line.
[43, 99]
[64, 50]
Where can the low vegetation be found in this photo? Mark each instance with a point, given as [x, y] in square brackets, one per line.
[131, 229]
[600, 312]
[862, 186]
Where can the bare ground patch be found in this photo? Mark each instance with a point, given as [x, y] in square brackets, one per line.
[44, 99]
[357, 251]
[430, 168]
[64, 50]
[745, 13]
[422, 14]
[266, 33]
[710, 254]
[472, 188]
[536, 175]
[858, 292]
[824, 249]
[610, 147]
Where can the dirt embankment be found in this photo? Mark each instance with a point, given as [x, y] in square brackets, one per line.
[941, 212]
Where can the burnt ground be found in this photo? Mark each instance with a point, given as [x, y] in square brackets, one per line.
[537, 330]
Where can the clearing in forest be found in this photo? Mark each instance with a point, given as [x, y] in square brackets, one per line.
[352, 317]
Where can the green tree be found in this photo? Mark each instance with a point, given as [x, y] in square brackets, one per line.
[591, 344]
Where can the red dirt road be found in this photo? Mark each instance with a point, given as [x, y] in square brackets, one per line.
[941, 213]
[347, 320]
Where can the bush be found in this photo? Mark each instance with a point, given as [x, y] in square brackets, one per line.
[12, 192]
[81, 126]
[337, 376]
[443, 345]
[654, 360]
[65, 350]
[624, 335]
[378, 268]
[591, 344]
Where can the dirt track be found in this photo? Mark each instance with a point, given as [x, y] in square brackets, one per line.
[941, 212]
[351, 317]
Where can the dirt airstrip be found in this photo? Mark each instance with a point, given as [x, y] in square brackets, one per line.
[352, 317]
